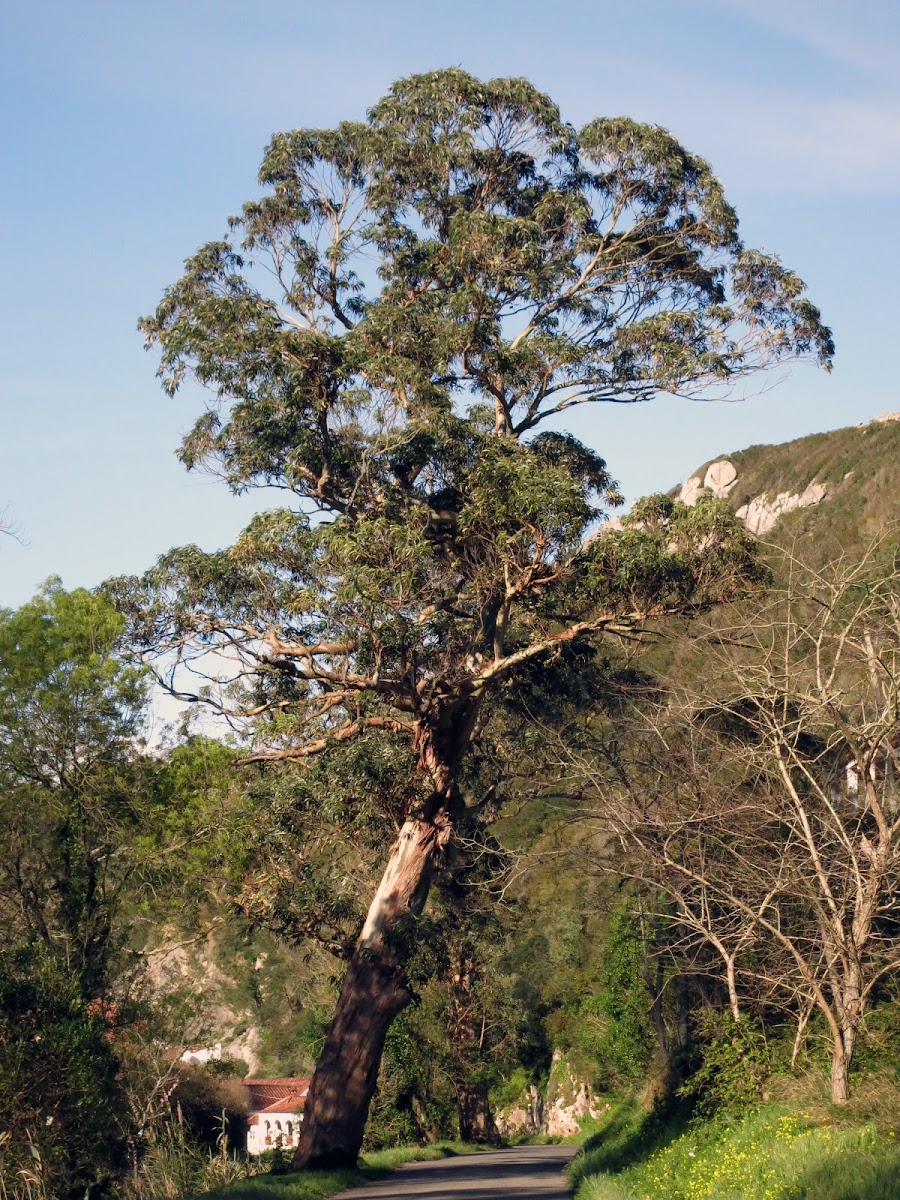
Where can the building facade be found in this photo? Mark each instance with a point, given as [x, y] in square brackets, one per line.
[275, 1112]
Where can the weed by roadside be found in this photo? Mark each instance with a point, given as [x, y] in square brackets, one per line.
[314, 1185]
[770, 1154]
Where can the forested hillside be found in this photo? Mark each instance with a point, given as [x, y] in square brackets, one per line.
[850, 479]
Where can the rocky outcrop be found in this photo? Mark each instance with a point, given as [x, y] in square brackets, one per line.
[522, 1119]
[720, 478]
[190, 967]
[761, 513]
[558, 1113]
[568, 1100]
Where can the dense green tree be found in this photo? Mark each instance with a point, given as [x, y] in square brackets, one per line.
[61, 1104]
[71, 785]
[391, 335]
[626, 997]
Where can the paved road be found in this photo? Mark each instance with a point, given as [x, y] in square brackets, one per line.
[526, 1173]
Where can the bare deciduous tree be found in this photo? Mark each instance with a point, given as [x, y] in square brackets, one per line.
[769, 813]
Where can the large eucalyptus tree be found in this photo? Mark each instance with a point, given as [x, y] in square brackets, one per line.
[391, 335]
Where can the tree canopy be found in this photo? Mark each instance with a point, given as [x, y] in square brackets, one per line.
[71, 707]
[391, 335]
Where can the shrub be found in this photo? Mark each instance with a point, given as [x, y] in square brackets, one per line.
[735, 1063]
[60, 1101]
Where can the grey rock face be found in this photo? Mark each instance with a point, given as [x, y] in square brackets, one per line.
[761, 513]
[720, 478]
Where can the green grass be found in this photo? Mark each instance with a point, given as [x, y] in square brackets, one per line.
[622, 1136]
[771, 1154]
[312, 1185]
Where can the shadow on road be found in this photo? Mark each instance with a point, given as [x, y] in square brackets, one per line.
[526, 1173]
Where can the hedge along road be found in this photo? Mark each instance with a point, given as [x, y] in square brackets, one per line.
[526, 1173]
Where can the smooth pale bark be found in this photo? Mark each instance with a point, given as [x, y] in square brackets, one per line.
[374, 991]
[840, 1076]
[842, 1052]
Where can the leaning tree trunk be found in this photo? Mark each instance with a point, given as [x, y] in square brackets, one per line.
[375, 988]
[373, 993]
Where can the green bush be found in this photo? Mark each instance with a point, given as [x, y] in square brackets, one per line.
[60, 1101]
[735, 1063]
[628, 1043]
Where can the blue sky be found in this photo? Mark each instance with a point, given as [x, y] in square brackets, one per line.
[131, 131]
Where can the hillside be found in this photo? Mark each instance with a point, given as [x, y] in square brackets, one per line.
[827, 490]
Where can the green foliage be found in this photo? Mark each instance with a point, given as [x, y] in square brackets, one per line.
[407, 1106]
[196, 827]
[71, 784]
[447, 276]
[735, 1062]
[176, 1168]
[511, 1090]
[860, 467]
[209, 1104]
[60, 1098]
[387, 334]
[65, 691]
[625, 1134]
[878, 1047]
[628, 1042]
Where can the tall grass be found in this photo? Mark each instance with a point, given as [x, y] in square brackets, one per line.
[173, 1168]
[21, 1180]
[313, 1185]
[770, 1154]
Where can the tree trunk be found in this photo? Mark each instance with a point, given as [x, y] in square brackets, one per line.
[375, 988]
[840, 1075]
[476, 1121]
[842, 1054]
[374, 991]
[682, 1025]
[731, 982]
[841, 1057]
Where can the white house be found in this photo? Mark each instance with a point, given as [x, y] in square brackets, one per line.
[275, 1112]
[198, 1055]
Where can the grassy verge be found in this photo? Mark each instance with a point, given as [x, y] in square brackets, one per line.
[771, 1154]
[313, 1185]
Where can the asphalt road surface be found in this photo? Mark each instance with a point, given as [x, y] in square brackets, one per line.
[526, 1173]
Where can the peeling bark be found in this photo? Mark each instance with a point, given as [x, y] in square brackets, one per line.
[375, 989]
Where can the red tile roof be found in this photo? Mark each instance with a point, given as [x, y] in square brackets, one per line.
[278, 1095]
